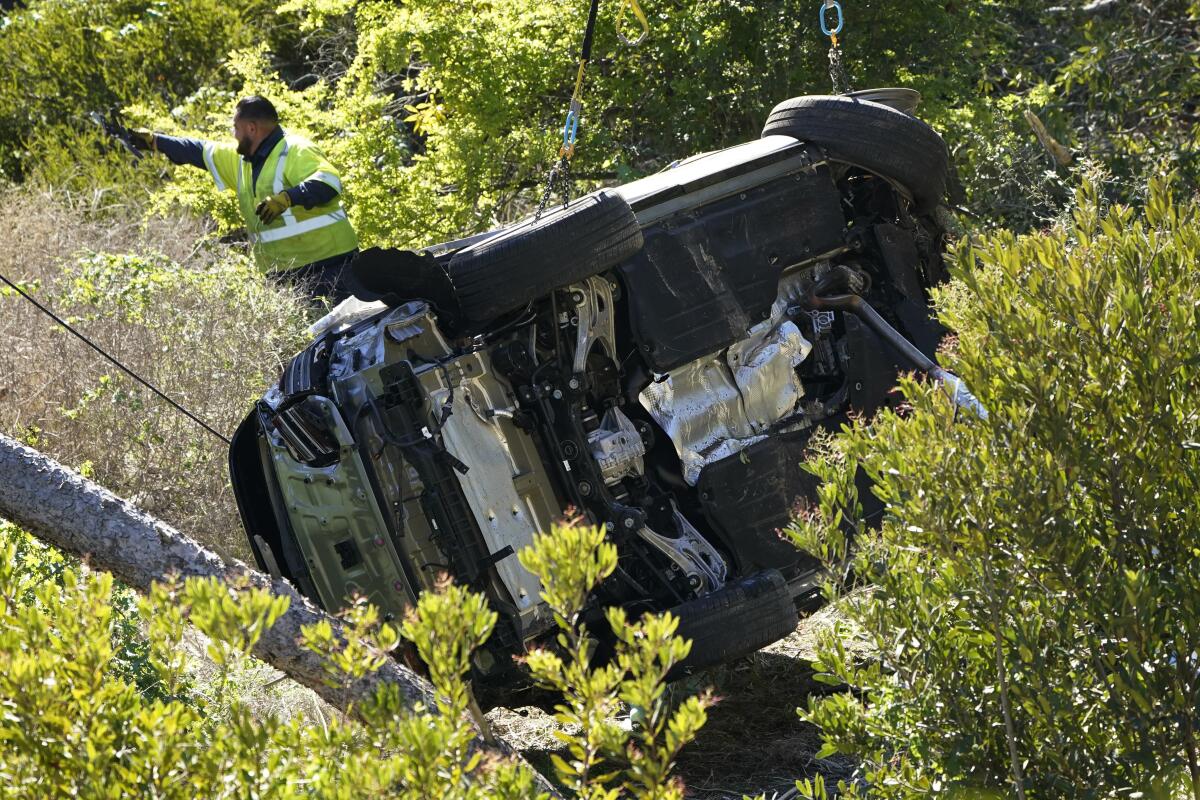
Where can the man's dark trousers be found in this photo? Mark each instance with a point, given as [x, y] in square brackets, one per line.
[329, 277]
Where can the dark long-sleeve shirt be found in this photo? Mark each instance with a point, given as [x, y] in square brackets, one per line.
[182, 150]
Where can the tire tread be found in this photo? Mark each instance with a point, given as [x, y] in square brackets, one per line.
[532, 258]
[869, 135]
[737, 620]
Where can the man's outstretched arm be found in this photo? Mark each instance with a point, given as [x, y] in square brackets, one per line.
[177, 149]
[220, 160]
[321, 188]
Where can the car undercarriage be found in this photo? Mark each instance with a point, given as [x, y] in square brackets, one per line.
[653, 359]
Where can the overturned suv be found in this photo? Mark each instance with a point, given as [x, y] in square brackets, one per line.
[655, 357]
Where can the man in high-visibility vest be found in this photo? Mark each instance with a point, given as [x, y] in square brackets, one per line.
[288, 192]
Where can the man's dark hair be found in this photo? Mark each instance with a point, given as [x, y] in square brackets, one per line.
[256, 109]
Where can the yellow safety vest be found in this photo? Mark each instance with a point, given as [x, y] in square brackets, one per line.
[300, 236]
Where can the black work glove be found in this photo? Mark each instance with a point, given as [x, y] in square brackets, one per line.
[142, 139]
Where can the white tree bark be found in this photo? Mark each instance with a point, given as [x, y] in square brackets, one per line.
[62, 508]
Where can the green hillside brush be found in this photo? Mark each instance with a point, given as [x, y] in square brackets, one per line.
[443, 118]
[1034, 594]
[63, 58]
[75, 723]
[449, 115]
[606, 760]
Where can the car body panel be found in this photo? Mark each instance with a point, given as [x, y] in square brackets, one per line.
[337, 523]
[712, 261]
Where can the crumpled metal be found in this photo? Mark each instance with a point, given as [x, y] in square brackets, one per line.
[719, 405]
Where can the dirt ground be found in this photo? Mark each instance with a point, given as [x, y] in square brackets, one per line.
[754, 743]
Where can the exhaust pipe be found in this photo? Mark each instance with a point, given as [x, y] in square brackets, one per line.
[817, 300]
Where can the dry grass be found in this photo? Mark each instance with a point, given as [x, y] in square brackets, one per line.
[212, 335]
[259, 689]
[754, 742]
[200, 325]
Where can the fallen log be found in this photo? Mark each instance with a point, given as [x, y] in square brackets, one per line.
[64, 509]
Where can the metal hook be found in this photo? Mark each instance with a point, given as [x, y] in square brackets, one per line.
[627, 7]
[836, 6]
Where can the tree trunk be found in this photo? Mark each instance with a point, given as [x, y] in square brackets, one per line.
[64, 509]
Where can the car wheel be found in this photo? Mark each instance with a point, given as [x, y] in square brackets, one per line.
[528, 260]
[873, 136]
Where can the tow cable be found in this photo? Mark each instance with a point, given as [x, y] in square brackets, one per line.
[559, 176]
[837, 71]
[102, 352]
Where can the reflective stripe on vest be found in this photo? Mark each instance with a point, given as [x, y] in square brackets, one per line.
[212, 167]
[288, 217]
[297, 228]
[327, 178]
[290, 226]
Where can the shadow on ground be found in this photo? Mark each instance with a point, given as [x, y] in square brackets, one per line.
[754, 743]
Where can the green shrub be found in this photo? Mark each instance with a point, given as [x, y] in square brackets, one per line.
[1114, 81]
[604, 757]
[44, 565]
[445, 118]
[73, 724]
[1035, 601]
[448, 116]
[63, 58]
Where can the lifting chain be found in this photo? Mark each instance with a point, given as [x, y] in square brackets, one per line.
[559, 176]
[837, 70]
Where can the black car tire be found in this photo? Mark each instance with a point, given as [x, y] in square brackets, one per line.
[873, 136]
[737, 620]
[528, 260]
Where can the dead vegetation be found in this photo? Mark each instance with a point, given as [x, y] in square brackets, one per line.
[180, 309]
[754, 742]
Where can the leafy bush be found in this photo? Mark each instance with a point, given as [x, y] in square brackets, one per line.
[646, 652]
[43, 564]
[74, 725]
[448, 116]
[1035, 597]
[63, 58]
[445, 118]
[1115, 81]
